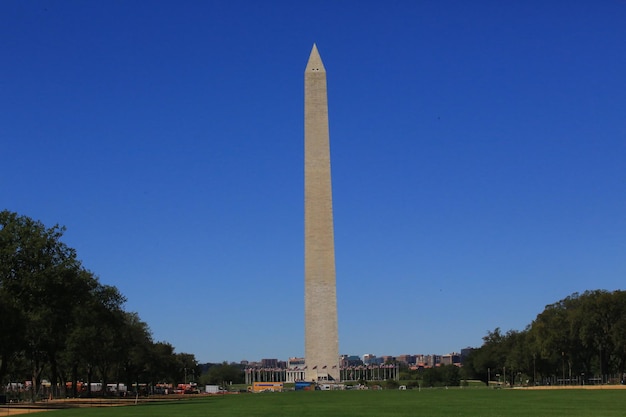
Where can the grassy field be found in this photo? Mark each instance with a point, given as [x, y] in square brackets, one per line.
[428, 403]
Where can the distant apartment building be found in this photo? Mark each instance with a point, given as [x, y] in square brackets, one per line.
[371, 359]
[451, 359]
[430, 361]
[465, 353]
[407, 359]
[350, 360]
[269, 363]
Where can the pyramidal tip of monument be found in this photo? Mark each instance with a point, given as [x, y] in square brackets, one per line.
[315, 61]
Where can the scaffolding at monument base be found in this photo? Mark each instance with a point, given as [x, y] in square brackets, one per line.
[346, 374]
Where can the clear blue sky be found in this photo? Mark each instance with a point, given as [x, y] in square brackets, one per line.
[478, 154]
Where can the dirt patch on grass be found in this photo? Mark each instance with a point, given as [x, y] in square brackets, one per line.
[13, 411]
[57, 404]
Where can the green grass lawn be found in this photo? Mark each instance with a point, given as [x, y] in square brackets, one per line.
[429, 402]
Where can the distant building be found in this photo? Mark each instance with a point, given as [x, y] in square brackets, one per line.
[269, 363]
[296, 370]
[368, 357]
[295, 363]
[465, 353]
[451, 359]
[430, 361]
[408, 359]
[371, 359]
[350, 360]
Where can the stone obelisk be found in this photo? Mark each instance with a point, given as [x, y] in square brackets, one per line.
[320, 301]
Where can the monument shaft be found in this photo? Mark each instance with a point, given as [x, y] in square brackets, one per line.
[321, 332]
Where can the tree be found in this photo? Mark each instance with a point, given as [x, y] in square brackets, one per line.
[188, 366]
[224, 374]
[163, 366]
[136, 346]
[450, 375]
[597, 315]
[488, 358]
[39, 278]
[618, 334]
[12, 334]
[430, 377]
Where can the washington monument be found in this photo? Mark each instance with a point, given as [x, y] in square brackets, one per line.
[321, 340]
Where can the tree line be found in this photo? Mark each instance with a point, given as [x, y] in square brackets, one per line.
[581, 338]
[60, 322]
[440, 376]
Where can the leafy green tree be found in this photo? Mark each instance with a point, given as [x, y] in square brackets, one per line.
[12, 337]
[450, 375]
[597, 315]
[490, 357]
[41, 277]
[188, 366]
[430, 377]
[97, 340]
[407, 375]
[163, 366]
[618, 334]
[224, 373]
[136, 348]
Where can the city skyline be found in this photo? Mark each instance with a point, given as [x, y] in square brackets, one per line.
[365, 359]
